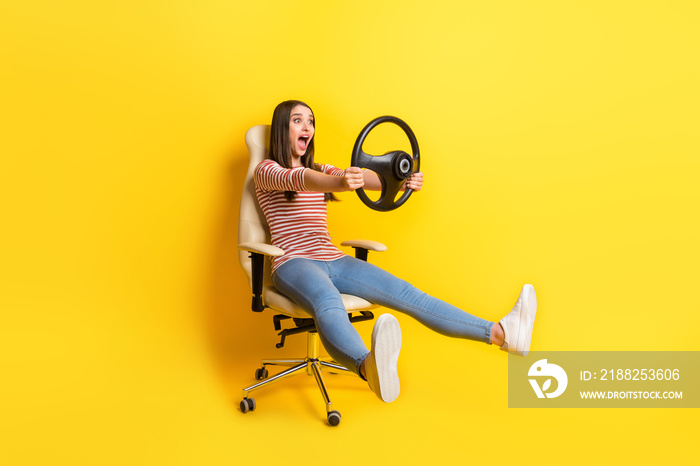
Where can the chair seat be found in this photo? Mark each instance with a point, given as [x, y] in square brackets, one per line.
[280, 303]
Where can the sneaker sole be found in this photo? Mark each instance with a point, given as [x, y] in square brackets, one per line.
[527, 318]
[386, 346]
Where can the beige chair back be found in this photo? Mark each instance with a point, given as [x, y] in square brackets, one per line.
[252, 226]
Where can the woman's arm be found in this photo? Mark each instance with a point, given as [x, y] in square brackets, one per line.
[270, 176]
[320, 182]
[372, 183]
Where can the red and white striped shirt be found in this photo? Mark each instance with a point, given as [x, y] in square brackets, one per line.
[298, 227]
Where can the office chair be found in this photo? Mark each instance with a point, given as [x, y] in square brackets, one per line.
[254, 245]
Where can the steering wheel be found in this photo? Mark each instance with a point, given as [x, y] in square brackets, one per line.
[393, 168]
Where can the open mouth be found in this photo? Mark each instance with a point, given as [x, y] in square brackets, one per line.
[303, 142]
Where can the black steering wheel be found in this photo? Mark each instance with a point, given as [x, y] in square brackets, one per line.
[393, 167]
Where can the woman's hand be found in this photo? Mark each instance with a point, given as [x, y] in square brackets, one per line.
[353, 178]
[414, 182]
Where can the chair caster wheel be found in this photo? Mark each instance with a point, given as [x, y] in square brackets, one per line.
[334, 418]
[261, 374]
[247, 404]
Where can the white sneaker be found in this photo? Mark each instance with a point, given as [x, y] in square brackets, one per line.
[382, 375]
[517, 325]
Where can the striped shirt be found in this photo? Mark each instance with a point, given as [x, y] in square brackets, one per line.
[298, 227]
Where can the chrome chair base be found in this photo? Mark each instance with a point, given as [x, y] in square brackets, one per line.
[310, 365]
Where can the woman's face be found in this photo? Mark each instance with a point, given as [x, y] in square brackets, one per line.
[301, 130]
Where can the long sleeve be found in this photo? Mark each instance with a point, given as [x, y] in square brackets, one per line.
[270, 176]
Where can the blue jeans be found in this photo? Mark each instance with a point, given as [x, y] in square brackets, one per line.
[315, 286]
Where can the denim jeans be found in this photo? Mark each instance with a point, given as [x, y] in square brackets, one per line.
[315, 286]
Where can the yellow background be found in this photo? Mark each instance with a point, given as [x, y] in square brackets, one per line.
[559, 142]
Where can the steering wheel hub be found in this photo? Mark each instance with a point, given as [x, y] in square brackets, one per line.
[403, 165]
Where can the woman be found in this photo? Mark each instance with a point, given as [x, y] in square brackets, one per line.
[293, 192]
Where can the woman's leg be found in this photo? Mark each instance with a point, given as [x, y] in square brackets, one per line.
[306, 282]
[353, 276]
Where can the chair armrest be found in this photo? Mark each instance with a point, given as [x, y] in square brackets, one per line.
[257, 261]
[365, 244]
[262, 248]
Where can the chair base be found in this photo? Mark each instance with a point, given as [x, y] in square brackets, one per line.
[310, 365]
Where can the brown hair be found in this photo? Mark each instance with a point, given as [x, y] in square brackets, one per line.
[280, 147]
